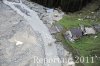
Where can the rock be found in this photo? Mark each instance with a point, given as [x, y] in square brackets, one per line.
[19, 43]
[16, 1]
[3, 7]
[50, 10]
[47, 15]
[95, 37]
[80, 19]
[92, 12]
[64, 55]
[89, 31]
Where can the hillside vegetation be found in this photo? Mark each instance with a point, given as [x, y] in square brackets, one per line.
[87, 45]
[65, 5]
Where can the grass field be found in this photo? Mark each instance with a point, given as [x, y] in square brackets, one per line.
[87, 45]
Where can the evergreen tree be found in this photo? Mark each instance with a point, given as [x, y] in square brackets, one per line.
[66, 5]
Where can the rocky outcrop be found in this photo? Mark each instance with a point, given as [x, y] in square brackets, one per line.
[19, 43]
[24, 36]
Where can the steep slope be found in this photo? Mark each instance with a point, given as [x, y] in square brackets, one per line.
[19, 43]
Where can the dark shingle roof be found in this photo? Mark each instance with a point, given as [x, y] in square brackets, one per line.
[76, 33]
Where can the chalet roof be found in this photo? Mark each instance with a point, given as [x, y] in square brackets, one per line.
[76, 33]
